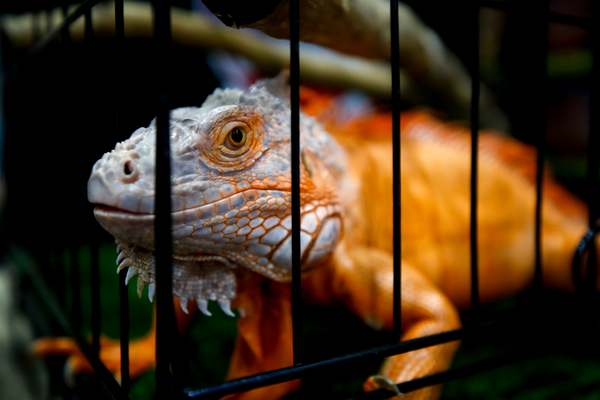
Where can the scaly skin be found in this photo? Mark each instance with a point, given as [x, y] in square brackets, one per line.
[231, 222]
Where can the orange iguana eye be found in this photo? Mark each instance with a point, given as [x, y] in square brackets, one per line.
[236, 138]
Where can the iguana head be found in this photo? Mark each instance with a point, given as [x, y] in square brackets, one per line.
[231, 194]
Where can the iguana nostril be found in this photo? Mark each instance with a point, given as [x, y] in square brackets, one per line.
[128, 168]
[130, 172]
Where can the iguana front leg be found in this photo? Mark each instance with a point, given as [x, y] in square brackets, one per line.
[362, 279]
[142, 350]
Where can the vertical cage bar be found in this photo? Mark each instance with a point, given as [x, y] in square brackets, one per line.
[474, 153]
[88, 34]
[60, 269]
[57, 276]
[65, 34]
[395, 55]
[541, 26]
[94, 266]
[124, 330]
[95, 292]
[75, 289]
[48, 21]
[165, 314]
[123, 293]
[295, 161]
[594, 147]
[36, 28]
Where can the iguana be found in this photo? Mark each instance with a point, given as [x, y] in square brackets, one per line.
[231, 185]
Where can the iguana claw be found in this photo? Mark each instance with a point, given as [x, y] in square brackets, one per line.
[381, 382]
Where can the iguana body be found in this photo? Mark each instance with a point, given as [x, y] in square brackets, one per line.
[231, 222]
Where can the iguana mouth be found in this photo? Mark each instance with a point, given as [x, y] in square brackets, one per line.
[196, 277]
[114, 210]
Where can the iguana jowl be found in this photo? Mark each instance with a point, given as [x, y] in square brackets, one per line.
[232, 231]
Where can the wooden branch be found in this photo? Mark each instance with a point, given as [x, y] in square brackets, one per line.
[319, 66]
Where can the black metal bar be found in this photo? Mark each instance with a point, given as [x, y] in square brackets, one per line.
[60, 29]
[593, 150]
[95, 292]
[57, 275]
[88, 33]
[295, 161]
[540, 56]
[594, 141]
[36, 26]
[395, 53]
[474, 66]
[94, 265]
[64, 31]
[123, 293]
[592, 273]
[48, 20]
[297, 371]
[124, 330]
[582, 22]
[165, 314]
[75, 288]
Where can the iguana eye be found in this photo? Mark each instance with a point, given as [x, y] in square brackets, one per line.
[236, 138]
[231, 140]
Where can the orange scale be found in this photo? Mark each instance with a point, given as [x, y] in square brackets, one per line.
[283, 185]
[271, 183]
[256, 184]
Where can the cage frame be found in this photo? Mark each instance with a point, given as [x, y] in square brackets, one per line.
[167, 355]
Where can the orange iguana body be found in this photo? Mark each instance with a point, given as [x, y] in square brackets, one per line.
[357, 270]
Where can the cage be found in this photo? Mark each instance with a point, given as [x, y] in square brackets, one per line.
[86, 94]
